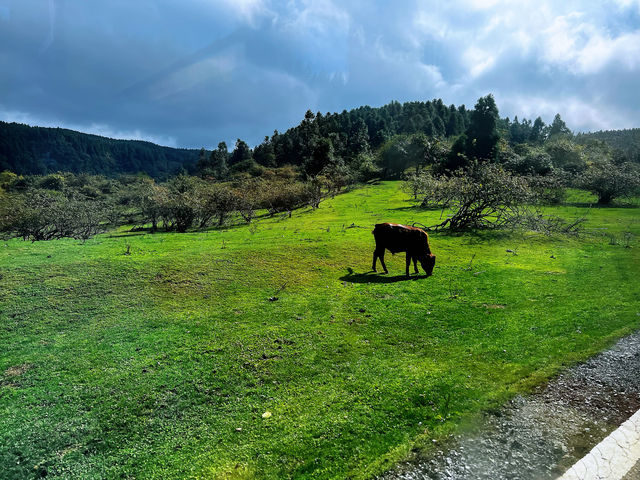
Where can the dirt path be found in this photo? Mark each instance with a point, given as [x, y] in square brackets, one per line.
[540, 436]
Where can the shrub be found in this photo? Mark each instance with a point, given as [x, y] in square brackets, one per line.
[609, 181]
[48, 216]
[483, 197]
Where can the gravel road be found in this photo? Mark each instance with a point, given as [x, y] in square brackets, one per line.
[539, 436]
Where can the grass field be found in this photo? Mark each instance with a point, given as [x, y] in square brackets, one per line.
[172, 361]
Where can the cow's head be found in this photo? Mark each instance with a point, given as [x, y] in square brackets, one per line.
[428, 262]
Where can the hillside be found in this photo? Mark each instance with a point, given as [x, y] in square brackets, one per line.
[627, 140]
[39, 150]
[271, 351]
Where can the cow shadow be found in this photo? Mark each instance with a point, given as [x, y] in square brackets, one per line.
[375, 277]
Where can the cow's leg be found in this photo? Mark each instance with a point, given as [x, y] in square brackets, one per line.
[415, 264]
[380, 255]
[375, 257]
[408, 262]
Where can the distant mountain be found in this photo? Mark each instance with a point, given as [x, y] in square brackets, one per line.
[28, 150]
[628, 140]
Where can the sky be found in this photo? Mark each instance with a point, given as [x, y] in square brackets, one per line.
[192, 73]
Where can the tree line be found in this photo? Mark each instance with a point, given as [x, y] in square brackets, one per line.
[440, 151]
[65, 205]
[27, 150]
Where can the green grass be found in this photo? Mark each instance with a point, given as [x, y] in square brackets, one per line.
[161, 363]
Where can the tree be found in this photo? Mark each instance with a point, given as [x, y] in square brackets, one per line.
[241, 153]
[149, 199]
[42, 215]
[359, 139]
[393, 155]
[321, 156]
[528, 160]
[264, 154]
[456, 158]
[537, 133]
[180, 206]
[609, 181]
[482, 134]
[558, 127]
[215, 200]
[204, 163]
[565, 154]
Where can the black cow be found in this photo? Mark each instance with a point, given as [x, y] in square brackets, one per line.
[401, 238]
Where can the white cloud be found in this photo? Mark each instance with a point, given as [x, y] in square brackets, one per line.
[247, 10]
[580, 114]
[478, 61]
[194, 74]
[600, 50]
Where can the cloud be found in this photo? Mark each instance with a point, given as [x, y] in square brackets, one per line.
[202, 71]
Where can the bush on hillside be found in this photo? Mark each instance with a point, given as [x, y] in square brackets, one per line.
[47, 216]
[485, 196]
[609, 181]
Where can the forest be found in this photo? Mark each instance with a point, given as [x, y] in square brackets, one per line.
[346, 139]
[439, 151]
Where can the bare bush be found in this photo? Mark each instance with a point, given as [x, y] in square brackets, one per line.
[49, 216]
[483, 197]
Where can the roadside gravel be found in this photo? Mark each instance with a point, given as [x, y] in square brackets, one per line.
[539, 436]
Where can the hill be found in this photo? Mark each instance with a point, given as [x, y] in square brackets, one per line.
[627, 141]
[27, 150]
[271, 351]
[40, 150]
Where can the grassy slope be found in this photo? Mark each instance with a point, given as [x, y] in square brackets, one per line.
[147, 365]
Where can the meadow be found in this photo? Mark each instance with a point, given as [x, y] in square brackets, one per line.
[272, 351]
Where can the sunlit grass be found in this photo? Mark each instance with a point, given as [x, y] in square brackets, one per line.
[160, 363]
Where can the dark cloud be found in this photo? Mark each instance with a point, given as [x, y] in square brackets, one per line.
[197, 72]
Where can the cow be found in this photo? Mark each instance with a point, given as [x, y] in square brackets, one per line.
[401, 238]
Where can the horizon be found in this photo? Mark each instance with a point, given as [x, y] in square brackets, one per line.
[230, 145]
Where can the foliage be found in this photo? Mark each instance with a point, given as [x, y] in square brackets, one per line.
[609, 181]
[404, 151]
[364, 167]
[27, 150]
[216, 164]
[283, 196]
[527, 160]
[558, 128]
[481, 134]
[566, 155]
[48, 216]
[548, 189]
[484, 197]
[624, 143]
[526, 132]
[216, 200]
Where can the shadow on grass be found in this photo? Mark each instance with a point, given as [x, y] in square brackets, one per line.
[374, 277]
[127, 234]
[417, 208]
[600, 205]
